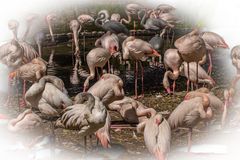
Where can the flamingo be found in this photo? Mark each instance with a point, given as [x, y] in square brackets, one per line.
[215, 102]
[86, 117]
[132, 9]
[31, 71]
[110, 25]
[25, 121]
[173, 61]
[49, 96]
[157, 135]
[189, 112]
[192, 49]
[108, 88]
[111, 42]
[97, 57]
[156, 24]
[138, 50]
[132, 111]
[14, 54]
[75, 26]
[212, 40]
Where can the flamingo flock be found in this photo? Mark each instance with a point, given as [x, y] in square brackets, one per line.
[89, 112]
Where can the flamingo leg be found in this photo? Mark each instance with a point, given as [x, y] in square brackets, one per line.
[136, 76]
[134, 28]
[101, 71]
[85, 144]
[39, 49]
[76, 62]
[210, 64]
[109, 67]
[174, 86]
[142, 78]
[22, 101]
[224, 114]
[84, 47]
[188, 81]
[197, 74]
[50, 60]
[189, 139]
[98, 76]
[72, 51]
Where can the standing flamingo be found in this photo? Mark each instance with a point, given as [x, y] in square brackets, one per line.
[173, 61]
[132, 9]
[111, 42]
[189, 112]
[212, 40]
[75, 26]
[98, 57]
[138, 50]
[31, 71]
[192, 49]
[109, 88]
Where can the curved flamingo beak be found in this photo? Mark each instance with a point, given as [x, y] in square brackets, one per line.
[12, 75]
[155, 53]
